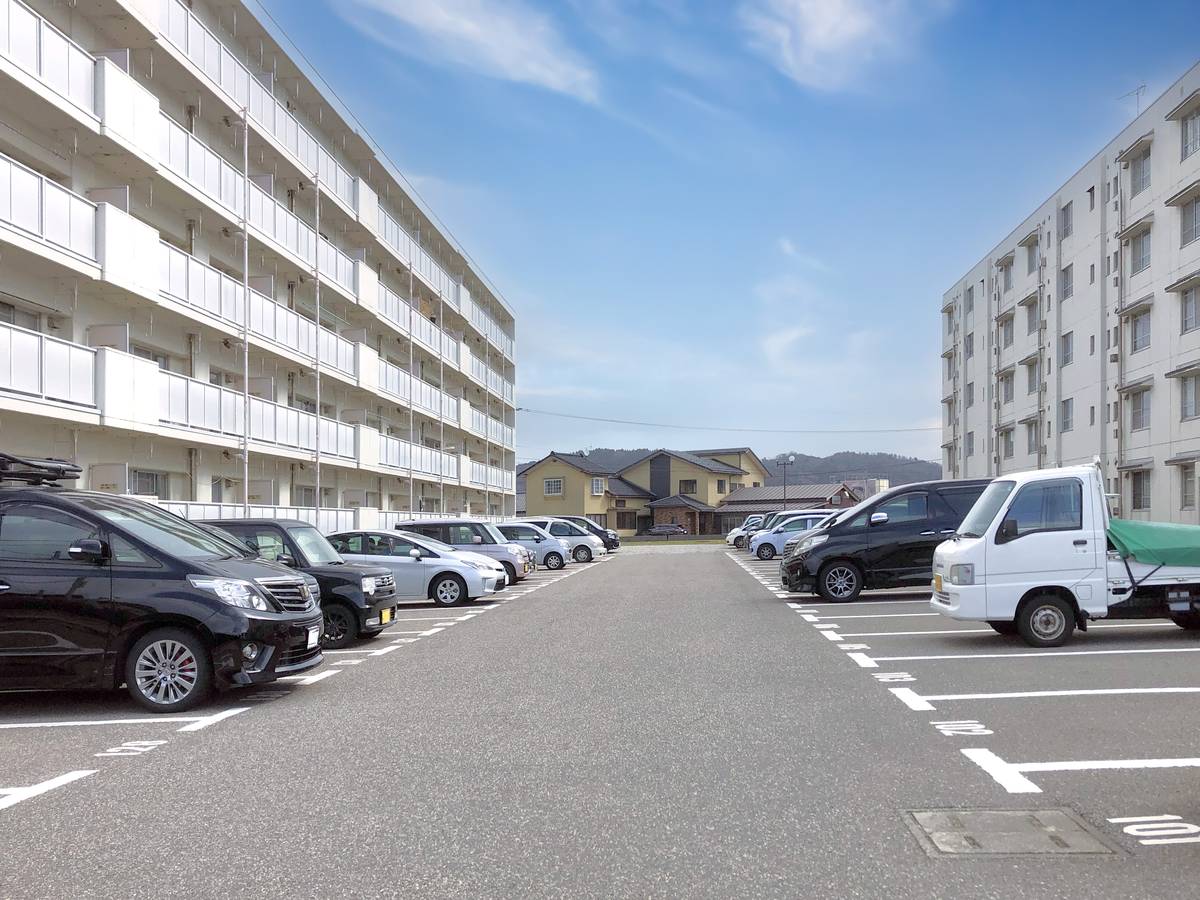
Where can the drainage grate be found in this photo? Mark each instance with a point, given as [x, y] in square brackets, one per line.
[1004, 832]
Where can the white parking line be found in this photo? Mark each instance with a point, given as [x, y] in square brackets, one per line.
[1011, 776]
[990, 631]
[311, 679]
[873, 661]
[882, 616]
[195, 723]
[14, 795]
[924, 702]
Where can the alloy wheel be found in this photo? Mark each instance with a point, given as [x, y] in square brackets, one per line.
[166, 672]
[841, 581]
[448, 591]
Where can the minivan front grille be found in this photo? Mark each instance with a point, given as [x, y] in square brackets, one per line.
[385, 582]
[290, 593]
[296, 656]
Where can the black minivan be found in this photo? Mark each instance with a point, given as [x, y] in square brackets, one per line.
[97, 591]
[886, 541]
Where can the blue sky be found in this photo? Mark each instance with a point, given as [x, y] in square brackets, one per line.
[740, 213]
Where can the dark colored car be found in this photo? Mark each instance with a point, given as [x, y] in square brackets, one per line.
[612, 540]
[665, 528]
[886, 541]
[97, 591]
[356, 600]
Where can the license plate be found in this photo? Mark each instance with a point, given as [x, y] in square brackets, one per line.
[385, 617]
[314, 635]
[937, 583]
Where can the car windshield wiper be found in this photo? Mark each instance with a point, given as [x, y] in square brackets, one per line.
[969, 534]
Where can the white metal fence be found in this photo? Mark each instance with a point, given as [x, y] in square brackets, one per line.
[46, 210]
[44, 52]
[327, 520]
[42, 366]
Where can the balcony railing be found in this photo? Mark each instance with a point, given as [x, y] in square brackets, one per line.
[423, 395]
[491, 476]
[42, 366]
[191, 37]
[479, 422]
[46, 210]
[484, 374]
[195, 404]
[399, 454]
[34, 45]
[500, 433]
[327, 520]
[187, 280]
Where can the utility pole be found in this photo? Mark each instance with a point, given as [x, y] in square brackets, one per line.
[246, 312]
[784, 464]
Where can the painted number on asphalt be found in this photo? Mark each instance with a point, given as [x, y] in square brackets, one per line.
[1164, 829]
[893, 676]
[131, 748]
[962, 727]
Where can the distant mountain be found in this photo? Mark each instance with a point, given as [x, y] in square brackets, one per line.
[849, 465]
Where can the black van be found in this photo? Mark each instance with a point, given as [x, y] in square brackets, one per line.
[885, 541]
[356, 600]
[97, 591]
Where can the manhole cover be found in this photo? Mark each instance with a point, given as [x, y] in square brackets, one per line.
[988, 832]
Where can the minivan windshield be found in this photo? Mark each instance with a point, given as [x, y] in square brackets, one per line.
[427, 542]
[985, 508]
[315, 547]
[159, 528]
[497, 537]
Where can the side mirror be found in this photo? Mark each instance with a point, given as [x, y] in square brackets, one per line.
[476, 539]
[538, 539]
[1007, 531]
[253, 545]
[414, 553]
[88, 550]
[285, 559]
[879, 518]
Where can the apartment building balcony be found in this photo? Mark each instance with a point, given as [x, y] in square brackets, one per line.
[492, 477]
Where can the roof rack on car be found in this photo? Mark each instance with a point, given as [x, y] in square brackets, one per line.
[36, 471]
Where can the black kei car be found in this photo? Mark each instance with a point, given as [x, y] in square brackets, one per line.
[886, 541]
[97, 591]
[612, 540]
[356, 600]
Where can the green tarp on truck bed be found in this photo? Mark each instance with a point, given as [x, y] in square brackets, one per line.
[1156, 543]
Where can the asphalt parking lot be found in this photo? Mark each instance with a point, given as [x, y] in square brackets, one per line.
[654, 724]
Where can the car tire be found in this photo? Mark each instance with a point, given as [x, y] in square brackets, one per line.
[341, 627]
[765, 551]
[554, 561]
[448, 590]
[582, 554]
[1046, 621]
[839, 582]
[1003, 626]
[510, 573]
[168, 670]
[1187, 621]
[739, 542]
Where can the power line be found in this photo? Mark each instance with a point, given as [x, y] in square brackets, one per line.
[546, 412]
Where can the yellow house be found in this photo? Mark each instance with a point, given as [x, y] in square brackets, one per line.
[675, 486]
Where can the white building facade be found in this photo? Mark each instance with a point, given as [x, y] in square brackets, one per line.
[214, 288]
[1078, 335]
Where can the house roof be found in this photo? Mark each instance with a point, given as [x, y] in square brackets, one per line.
[576, 460]
[711, 465]
[619, 487]
[797, 492]
[725, 451]
[677, 500]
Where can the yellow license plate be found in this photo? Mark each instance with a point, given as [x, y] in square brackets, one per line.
[385, 617]
[937, 582]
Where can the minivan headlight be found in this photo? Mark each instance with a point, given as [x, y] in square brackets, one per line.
[808, 543]
[962, 573]
[232, 591]
[368, 584]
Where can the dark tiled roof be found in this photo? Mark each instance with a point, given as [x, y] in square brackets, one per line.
[619, 487]
[677, 500]
[711, 465]
[725, 451]
[578, 460]
[793, 491]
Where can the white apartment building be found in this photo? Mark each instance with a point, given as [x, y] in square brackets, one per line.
[1078, 335]
[196, 242]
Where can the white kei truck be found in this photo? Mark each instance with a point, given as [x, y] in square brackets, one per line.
[1038, 555]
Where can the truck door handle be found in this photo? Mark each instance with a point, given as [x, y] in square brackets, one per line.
[4, 587]
[1081, 543]
[949, 530]
[927, 533]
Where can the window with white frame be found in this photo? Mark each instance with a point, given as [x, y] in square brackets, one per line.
[1031, 438]
[1189, 222]
[1031, 258]
[969, 443]
[1139, 253]
[969, 299]
[969, 345]
[1187, 310]
[145, 482]
[552, 487]
[1066, 221]
[1006, 332]
[1189, 399]
[970, 394]
[1187, 486]
[1139, 173]
[1139, 489]
[1031, 378]
[949, 316]
[1139, 332]
[1066, 352]
[1066, 416]
[1006, 277]
[1006, 388]
[1031, 318]
[1066, 283]
[1006, 443]
[597, 487]
[1190, 128]
[1139, 411]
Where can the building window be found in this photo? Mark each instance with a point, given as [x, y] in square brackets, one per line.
[1190, 127]
[969, 299]
[1139, 490]
[153, 483]
[1091, 273]
[1139, 332]
[950, 322]
[970, 394]
[1139, 253]
[620, 504]
[1139, 173]
[1091, 345]
[1066, 417]
[1006, 443]
[1031, 384]
[1187, 310]
[969, 345]
[720, 485]
[1031, 438]
[969, 443]
[687, 486]
[627, 520]
[1006, 388]
[597, 487]
[304, 495]
[1091, 415]
[160, 359]
[1187, 486]
[1189, 404]
[1006, 277]
[1139, 411]
[1031, 319]
[1066, 283]
[1066, 221]
[1031, 257]
[1066, 352]
[1091, 192]
[1006, 331]
[552, 487]
[1189, 217]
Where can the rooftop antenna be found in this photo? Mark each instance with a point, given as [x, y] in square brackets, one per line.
[1136, 93]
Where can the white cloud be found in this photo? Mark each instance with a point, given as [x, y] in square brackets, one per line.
[825, 44]
[505, 40]
[788, 248]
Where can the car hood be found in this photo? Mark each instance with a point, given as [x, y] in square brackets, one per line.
[471, 556]
[350, 571]
[245, 569]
